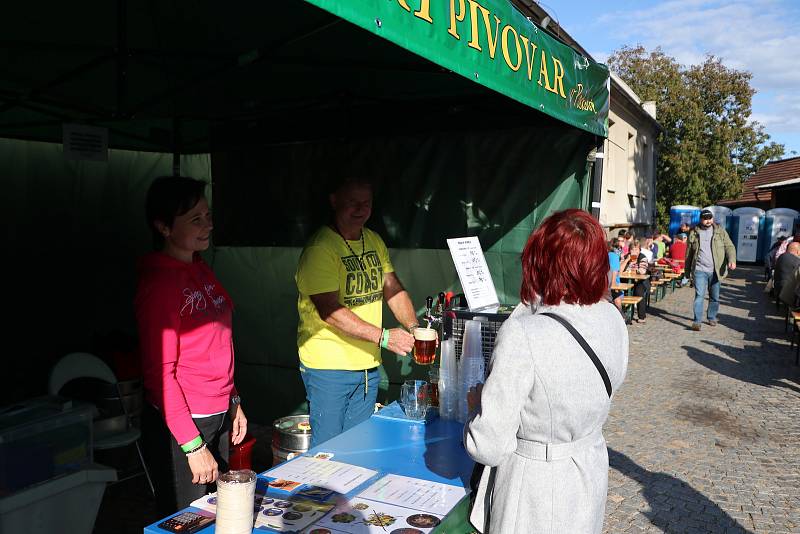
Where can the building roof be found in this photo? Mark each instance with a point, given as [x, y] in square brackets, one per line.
[779, 184]
[769, 175]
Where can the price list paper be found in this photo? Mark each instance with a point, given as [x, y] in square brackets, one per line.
[432, 497]
[473, 272]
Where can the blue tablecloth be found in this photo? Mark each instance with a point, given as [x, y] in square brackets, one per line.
[431, 451]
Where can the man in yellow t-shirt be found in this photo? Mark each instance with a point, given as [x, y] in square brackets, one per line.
[343, 277]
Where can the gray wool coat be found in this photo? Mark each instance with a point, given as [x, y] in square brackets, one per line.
[538, 430]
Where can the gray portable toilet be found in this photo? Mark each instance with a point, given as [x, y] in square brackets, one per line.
[722, 216]
[747, 228]
[778, 222]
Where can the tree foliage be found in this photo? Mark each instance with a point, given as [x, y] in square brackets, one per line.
[709, 145]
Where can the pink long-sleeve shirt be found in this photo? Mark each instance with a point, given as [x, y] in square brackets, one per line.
[185, 318]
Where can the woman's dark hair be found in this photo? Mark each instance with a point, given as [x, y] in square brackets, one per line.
[565, 260]
[168, 197]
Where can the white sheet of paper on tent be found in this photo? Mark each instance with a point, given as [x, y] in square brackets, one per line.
[473, 272]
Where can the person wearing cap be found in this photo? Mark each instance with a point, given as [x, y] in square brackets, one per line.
[710, 254]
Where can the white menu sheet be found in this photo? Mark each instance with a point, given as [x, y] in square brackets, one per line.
[329, 474]
[432, 497]
[473, 272]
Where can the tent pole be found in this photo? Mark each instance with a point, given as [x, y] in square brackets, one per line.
[597, 176]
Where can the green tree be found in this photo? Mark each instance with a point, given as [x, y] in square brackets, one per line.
[709, 145]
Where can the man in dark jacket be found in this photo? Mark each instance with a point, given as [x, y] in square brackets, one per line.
[786, 265]
[710, 254]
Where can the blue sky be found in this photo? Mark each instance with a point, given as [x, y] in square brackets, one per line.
[760, 36]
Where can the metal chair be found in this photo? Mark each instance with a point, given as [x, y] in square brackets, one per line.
[85, 365]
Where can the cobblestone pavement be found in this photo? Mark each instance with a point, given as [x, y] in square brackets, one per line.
[704, 435]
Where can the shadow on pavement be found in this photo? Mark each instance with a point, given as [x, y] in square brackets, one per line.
[661, 491]
[742, 365]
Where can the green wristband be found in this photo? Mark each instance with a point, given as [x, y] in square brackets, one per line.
[196, 442]
[385, 339]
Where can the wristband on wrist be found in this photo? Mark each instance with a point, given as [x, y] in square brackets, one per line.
[411, 327]
[191, 445]
[197, 450]
[384, 339]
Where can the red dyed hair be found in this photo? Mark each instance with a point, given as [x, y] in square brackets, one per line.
[565, 260]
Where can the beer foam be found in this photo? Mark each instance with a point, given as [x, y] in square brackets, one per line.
[425, 334]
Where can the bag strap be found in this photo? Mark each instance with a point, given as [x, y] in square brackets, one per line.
[579, 338]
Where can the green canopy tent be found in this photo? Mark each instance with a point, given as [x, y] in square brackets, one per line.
[470, 119]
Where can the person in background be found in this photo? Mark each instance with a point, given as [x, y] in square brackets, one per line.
[343, 278]
[648, 249]
[640, 265]
[710, 254]
[661, 240]
[616, 266]
[786, 266]
[677, 252]
[184, 315]
[536, 424]
[785, 244]
[622, 241]
[769, 257]
[629, 239]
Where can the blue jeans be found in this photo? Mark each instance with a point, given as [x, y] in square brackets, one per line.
[702, 282]
[338, 400]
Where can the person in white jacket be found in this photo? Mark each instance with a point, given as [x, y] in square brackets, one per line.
[536, 424]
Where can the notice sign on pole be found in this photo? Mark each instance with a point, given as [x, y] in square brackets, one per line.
[476, 280]
[88, 143]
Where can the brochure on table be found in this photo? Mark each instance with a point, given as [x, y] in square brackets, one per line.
[312, 506]
[473, 272]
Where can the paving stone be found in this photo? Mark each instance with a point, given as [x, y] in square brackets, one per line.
[704, 435]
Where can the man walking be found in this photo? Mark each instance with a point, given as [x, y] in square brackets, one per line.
[344, 276]
[710, 254]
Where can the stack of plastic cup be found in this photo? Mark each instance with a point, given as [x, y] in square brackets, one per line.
[448, 380]
[235, 502]
[470, 366]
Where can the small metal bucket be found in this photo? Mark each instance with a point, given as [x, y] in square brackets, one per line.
[291, 435]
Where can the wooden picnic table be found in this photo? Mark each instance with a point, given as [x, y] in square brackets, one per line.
[622, 286]
[633, 276]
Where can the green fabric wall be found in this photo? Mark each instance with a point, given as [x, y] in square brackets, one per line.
[76, 228]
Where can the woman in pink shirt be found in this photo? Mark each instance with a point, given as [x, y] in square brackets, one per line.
[184, 317]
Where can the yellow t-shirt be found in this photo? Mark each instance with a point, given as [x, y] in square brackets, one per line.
[327, 265]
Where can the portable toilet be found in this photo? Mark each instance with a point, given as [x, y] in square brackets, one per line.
[683, 214]
[722, 216]
[778, 222]
[747, 228]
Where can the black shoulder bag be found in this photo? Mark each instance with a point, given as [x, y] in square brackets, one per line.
[477, 471]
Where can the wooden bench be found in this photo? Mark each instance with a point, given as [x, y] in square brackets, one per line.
[656, 288]
[628, 302]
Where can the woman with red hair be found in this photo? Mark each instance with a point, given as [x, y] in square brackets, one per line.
[537, 423]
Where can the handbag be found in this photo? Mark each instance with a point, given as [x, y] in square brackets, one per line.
[478, 469]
